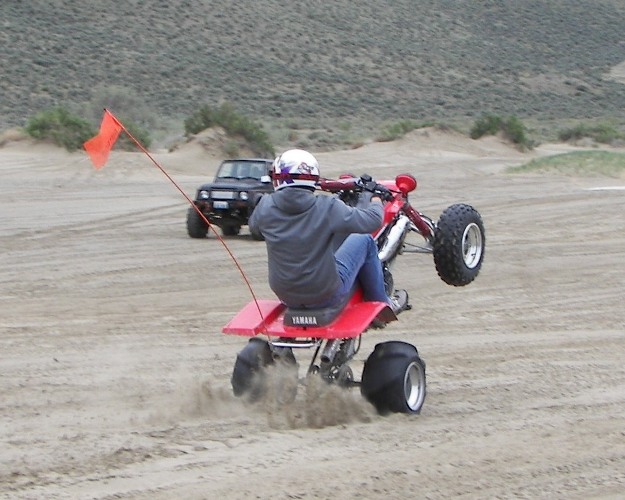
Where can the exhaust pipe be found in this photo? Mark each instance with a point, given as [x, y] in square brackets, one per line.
[330, 350]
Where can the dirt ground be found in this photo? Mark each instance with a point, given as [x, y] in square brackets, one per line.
[115, 376]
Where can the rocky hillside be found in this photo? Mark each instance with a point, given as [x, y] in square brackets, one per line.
[370, 60]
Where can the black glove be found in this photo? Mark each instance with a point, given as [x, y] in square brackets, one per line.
[367, 184]
[383, 192]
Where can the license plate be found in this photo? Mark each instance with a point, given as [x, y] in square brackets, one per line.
[220, 204]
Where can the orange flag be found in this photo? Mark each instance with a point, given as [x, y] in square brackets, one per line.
[99, 147]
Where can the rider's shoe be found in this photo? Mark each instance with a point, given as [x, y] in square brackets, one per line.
[399, 301]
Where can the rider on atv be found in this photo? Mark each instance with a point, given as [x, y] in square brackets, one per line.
[302, 232]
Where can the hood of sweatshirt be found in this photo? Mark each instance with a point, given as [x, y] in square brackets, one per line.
[294, 200]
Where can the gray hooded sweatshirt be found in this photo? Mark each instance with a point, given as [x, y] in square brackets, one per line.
[299, 228]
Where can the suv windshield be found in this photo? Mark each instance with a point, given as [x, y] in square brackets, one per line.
[242, 170]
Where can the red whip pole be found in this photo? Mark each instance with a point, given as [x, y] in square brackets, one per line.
[212, 228]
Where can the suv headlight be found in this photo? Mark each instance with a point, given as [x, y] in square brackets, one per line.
[203, 195]
[244, 195]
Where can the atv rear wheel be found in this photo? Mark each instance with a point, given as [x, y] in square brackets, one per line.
[250, 374]
[458, 246]
[196, 226]
[393, 378]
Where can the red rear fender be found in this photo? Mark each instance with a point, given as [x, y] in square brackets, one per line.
[254, 318]
[267, 318]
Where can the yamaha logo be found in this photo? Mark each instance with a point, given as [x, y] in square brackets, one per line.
[304, 320]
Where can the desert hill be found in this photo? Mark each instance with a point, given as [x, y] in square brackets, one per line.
[315, 61]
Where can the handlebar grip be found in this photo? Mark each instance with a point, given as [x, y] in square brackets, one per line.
[334, 186]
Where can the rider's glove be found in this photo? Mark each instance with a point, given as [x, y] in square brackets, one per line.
[367, 183]
[383, 192]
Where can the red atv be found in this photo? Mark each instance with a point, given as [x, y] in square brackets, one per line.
[393, 378]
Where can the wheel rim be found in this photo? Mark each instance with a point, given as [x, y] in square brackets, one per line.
[345, 376]
[472, 245]
[414, 387]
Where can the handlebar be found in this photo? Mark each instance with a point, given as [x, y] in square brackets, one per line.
[336, 185]
[356, 185]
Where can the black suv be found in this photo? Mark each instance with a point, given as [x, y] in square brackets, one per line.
[228, 201]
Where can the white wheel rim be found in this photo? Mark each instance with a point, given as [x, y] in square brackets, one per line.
[472, 245]
[414, 386]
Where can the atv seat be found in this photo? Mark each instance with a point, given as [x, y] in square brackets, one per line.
[311, 317]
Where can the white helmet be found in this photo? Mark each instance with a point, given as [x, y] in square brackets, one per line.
[295, 167]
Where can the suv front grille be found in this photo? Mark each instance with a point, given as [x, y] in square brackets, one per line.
[222, 195]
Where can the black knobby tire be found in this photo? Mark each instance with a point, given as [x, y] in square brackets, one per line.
[230, 230]
[196, 226]
[393, 378]
[459, 244]
[250, 376]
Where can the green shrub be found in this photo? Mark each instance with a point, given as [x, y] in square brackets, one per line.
[399, 129]
[486, 125]
[233, 123]
[396, 130]
[61, 127]
[142, 135]
[603, 133]
[516, 132]
[511, 127]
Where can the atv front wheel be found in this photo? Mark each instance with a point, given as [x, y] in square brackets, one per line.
[393, 378]
[196, 227]
[458, 245]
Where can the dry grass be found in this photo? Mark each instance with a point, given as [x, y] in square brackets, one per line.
[578, 163]
[13, 135]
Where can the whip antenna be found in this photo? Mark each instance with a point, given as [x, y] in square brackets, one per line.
[99, 148]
